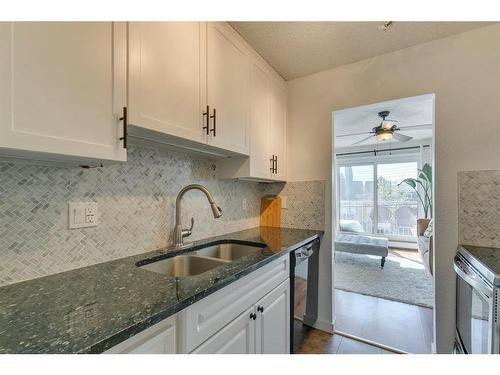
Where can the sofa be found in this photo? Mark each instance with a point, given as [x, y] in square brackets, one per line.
[425, 243]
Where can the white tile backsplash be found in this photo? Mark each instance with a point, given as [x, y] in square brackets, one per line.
[479, 208]
[136, 209]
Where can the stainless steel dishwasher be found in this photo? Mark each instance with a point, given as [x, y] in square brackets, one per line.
[304, 267]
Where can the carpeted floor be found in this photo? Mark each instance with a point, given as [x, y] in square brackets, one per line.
[403, 277]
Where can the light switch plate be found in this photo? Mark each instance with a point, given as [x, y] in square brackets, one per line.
[82, 215]
[284, 202]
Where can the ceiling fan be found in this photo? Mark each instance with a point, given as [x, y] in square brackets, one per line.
[387, 130]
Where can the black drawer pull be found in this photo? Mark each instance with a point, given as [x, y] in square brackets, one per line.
[214, 116]
[124, 118]
[207, 121]
[260, 309]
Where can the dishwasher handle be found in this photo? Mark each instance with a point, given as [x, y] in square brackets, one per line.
[304, 252]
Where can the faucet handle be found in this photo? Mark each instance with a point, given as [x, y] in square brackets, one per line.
[187, 232]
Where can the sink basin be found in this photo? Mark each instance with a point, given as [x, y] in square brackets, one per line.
[183, 265]
[201, 260]
[228, 251]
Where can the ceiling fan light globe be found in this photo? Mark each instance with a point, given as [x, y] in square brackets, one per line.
[384, 136]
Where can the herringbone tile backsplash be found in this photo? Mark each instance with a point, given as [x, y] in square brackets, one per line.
[479, 208]
[136, 210]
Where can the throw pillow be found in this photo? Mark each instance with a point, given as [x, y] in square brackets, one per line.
[428, 232]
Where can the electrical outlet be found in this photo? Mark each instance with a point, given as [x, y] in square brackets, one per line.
[244, 204]
[82, 215]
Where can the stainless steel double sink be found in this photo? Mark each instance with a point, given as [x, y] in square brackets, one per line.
[201, 260]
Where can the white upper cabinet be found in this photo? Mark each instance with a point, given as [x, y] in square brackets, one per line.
[260, 160]
[277, 138]
[63, 90]
[267, 119]
[227, 83]
[66, 86]
[167, 77]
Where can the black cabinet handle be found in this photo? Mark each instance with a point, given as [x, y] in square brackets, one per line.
[207, 121]
[253, 316]
[260, 309]
[276, 165]
[213, 130]
[124, 118]
[272, 164]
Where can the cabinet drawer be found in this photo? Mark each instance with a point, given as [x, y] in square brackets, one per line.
[158, 339]
[207, 316]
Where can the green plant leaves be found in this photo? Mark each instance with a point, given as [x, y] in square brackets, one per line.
[410, 181]
[425, 181]
[426, 173]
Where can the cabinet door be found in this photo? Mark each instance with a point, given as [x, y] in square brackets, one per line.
[273, 321]
[158, 339]
[238, 337]
[167, 77]
[260, 164]
[227, 87]
[277, 133]
[63, 89]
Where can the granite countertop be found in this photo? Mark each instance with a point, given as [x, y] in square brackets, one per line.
[488, 257]
[90, 309]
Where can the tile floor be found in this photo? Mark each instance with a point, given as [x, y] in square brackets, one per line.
[314, 341]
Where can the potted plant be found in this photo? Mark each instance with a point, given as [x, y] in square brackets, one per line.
[424, 181]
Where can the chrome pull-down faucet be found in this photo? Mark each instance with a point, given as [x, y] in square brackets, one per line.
[179, 233]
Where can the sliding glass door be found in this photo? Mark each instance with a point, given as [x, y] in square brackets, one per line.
[397, 204]
[356, 198]
[372, 199]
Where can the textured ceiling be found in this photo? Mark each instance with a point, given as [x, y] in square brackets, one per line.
[296, 49]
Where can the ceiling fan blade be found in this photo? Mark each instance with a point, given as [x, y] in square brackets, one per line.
[351, 134]
[363, 140]
[401, 137]
[421, 126]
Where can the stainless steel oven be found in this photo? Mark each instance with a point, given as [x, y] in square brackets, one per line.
[477, 328]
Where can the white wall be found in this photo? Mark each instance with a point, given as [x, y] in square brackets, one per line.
[464, 73]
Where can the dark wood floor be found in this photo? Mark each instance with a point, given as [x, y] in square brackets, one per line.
[313, 341]
[397, 325]
[390, 323]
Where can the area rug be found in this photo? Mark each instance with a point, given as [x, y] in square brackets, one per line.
[402, 279]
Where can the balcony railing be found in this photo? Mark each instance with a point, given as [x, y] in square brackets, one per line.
[394, 217]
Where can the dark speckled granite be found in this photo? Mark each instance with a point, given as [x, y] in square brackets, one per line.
[91, 309]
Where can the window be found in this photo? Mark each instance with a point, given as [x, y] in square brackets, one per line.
[371, 200]
[356, 198]
[397, 205]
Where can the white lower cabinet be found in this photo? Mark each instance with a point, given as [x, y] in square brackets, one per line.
[262, 329]
[273, 321]
[238, 337]
[251, 315]
[158, 339]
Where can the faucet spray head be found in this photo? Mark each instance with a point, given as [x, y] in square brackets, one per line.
[216, 210]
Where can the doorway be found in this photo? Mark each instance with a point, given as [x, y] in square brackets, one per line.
[382, 195]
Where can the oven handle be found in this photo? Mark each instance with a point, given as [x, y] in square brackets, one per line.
[471, 278]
